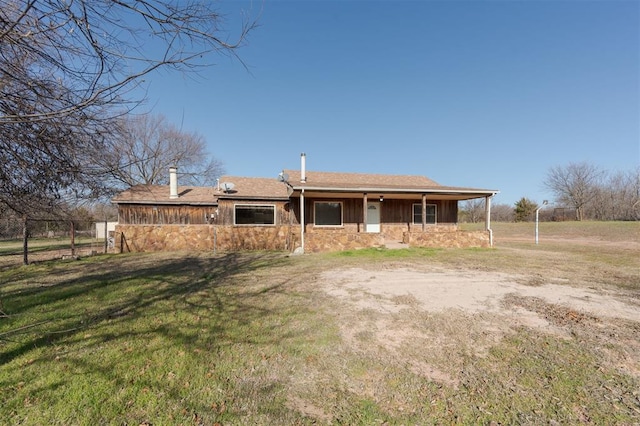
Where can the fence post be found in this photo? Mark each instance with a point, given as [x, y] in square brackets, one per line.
[73, 239]
[25, 244]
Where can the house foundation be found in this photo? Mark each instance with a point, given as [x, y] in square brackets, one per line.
[150, 238]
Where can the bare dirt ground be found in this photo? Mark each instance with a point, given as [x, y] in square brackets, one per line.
[432, 318]
[470, 292]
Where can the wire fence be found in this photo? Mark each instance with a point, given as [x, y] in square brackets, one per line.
[53, 239]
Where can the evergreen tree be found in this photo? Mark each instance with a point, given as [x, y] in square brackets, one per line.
[524, 209]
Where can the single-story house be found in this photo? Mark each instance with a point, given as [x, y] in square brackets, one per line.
[303, 211]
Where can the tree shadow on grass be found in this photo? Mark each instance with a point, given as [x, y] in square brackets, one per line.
[185, 314]
[79, 296]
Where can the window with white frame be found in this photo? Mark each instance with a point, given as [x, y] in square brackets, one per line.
[328, 213]
[254, 214]
[431, 214]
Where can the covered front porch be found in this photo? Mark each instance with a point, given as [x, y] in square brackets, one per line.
[331, 220]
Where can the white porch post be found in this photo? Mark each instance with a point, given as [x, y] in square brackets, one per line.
[364, 212]
[424, 212]
[487, 218]
[302, 219]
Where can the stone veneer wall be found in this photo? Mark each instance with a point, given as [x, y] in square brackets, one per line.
[393, 231]
[339, 239]
[139, 238]
[142, 238]
[396, 231]
[446, 238]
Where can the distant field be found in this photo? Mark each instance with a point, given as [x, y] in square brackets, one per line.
[517, 334]
[594, 231]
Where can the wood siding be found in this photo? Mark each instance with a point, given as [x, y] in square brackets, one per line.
[226, 211]
[392, 211]
[287, 212]
[137, 214]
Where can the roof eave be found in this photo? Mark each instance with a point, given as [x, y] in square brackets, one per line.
[166, 202]
[254, 198]
[449, 191]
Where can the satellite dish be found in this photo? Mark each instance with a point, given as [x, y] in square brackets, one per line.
[283, 177]
[227, 186]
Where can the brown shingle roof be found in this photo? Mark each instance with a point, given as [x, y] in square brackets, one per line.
[355, 180]
[244, 187]
[159, 194]
[271, 188]
[252, 187]
[345, 182]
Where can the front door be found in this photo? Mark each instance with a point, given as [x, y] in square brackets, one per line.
[373, 217]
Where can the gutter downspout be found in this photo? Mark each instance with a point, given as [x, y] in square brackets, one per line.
[487, 220]
[303, 180]
[302, 220]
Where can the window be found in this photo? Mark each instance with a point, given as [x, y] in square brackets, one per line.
[431, 214]
[253, 214]
[328, 213]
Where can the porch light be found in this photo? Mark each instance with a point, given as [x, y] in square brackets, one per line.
[381, 198]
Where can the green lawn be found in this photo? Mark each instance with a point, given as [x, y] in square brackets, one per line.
[251, 338]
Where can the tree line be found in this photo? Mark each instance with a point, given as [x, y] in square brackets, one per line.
[581, 191]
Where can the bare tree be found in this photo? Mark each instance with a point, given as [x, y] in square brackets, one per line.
[145, 146]
[473, 210]
[574, 185]
[624, 193]
[68, 68]
[502, 213]
[45, 164]
[96, 51]
[615, 197]
[634, 190]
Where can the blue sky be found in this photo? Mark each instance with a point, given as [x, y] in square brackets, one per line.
[487, 94]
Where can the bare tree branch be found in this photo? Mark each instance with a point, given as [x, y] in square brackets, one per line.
[144, 148]
[574, 185]
[100, 50]
[68, 69]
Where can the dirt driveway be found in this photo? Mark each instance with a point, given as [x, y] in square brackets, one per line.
[470, 292]
[442, 315]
